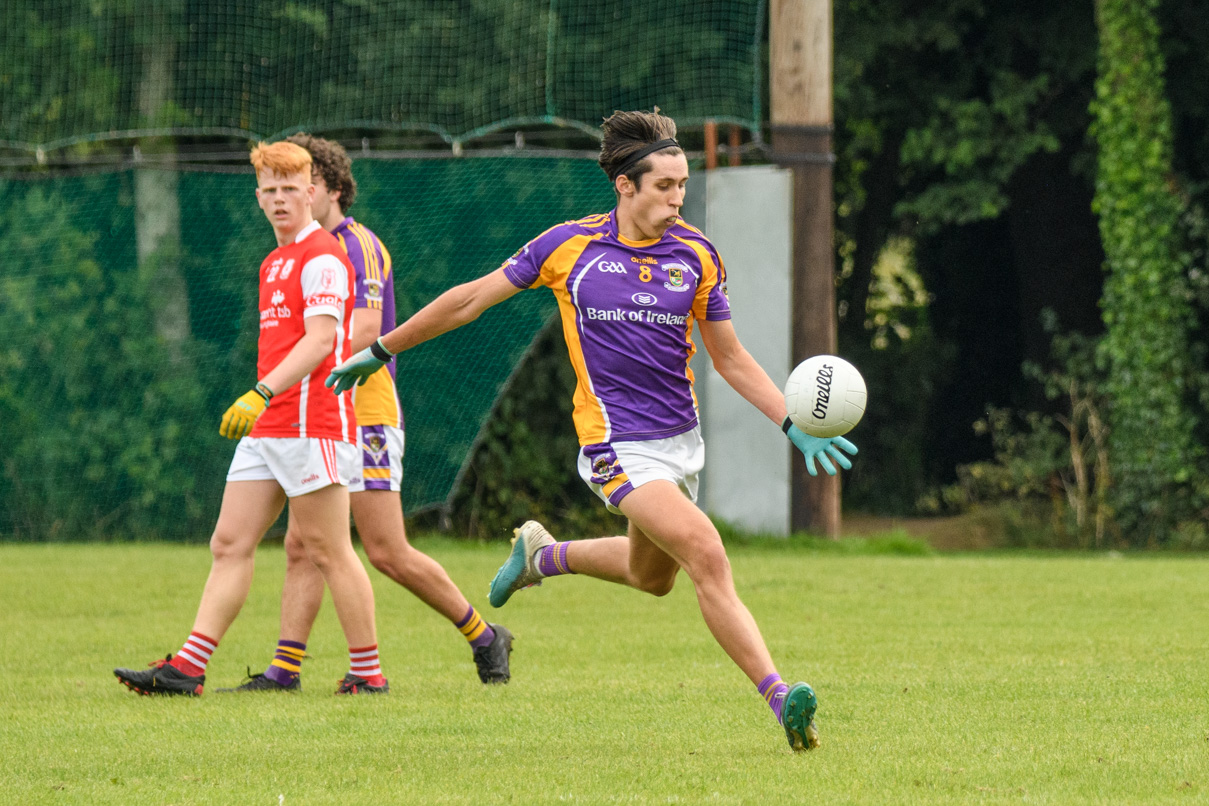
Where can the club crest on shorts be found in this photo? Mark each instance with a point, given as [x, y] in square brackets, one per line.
[375, 446]
[605, 464]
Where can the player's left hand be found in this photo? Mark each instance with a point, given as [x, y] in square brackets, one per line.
[356, 370]
[238, 420]
[818, 449]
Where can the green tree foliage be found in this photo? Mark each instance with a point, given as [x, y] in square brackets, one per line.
[70, 71]
[1049, 474]
[940, 107]
[87, 400]
[1147, 306]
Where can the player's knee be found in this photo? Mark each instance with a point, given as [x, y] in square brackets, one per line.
[657, 585]
[320, 552]
[387, 562]
[709, 564]
[295, 551]
[225, 545]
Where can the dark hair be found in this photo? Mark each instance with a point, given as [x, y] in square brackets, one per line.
[330, 160]
[628, 133]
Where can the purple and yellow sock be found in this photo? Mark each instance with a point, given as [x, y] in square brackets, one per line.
[287, 663]
[552, 560]
[477, 631]
[773, 689]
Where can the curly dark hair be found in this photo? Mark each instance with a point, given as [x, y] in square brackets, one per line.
[330, 160]
[627, 133]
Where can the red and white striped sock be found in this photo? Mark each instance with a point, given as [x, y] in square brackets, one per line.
[363, 663]
[194, 655]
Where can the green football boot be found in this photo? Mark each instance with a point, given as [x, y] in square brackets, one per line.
[520, 569]
[797, 717]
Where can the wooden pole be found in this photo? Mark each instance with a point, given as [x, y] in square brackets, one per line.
[800, 91]
[733, 158]
[711, 145]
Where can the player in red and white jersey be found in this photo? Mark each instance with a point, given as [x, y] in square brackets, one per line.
[296, 444]
[306, 277]
[374, 490]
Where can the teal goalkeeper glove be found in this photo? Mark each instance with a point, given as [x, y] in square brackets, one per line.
[356, 370]
[818, 448]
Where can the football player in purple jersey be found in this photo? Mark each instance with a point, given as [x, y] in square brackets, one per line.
[630, 284]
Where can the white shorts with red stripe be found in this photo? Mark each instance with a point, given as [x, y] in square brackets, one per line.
[299, 465]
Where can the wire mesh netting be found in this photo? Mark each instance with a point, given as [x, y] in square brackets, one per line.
[74, 71]
[110, 427]
[122, 340]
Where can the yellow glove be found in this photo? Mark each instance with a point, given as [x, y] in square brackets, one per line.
[238, 420]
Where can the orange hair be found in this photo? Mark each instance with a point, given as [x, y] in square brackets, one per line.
[282, 158]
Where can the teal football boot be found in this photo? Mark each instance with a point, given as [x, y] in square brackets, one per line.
[520, 569]
[797, 717]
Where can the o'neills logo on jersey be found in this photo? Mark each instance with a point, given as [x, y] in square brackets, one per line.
[822, 398]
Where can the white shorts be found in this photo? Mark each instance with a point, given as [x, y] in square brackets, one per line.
[300, 465]
[380, 465]
[613, 470]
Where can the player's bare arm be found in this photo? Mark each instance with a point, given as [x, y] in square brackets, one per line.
[740, 370]
[458, 306]
[308, 353]
[315, 345]
[748, 378]
[367, 324]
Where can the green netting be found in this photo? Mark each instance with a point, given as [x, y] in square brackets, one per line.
[78, 70]
[109, 427]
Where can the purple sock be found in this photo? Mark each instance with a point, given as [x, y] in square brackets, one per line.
[773, 690]
[552, 560]
[477, 631]
[287, 663]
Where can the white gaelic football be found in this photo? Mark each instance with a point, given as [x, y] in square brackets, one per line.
[825, 396]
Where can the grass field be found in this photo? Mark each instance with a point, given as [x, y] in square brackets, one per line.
[942, 679]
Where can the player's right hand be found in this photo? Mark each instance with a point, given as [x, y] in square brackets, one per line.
[356, 370]
[817, 449]
[238, 420]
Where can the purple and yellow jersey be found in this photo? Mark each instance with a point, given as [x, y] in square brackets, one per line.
[627, 312]
[377, 401]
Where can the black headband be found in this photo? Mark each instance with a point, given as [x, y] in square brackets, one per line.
[642, 153]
